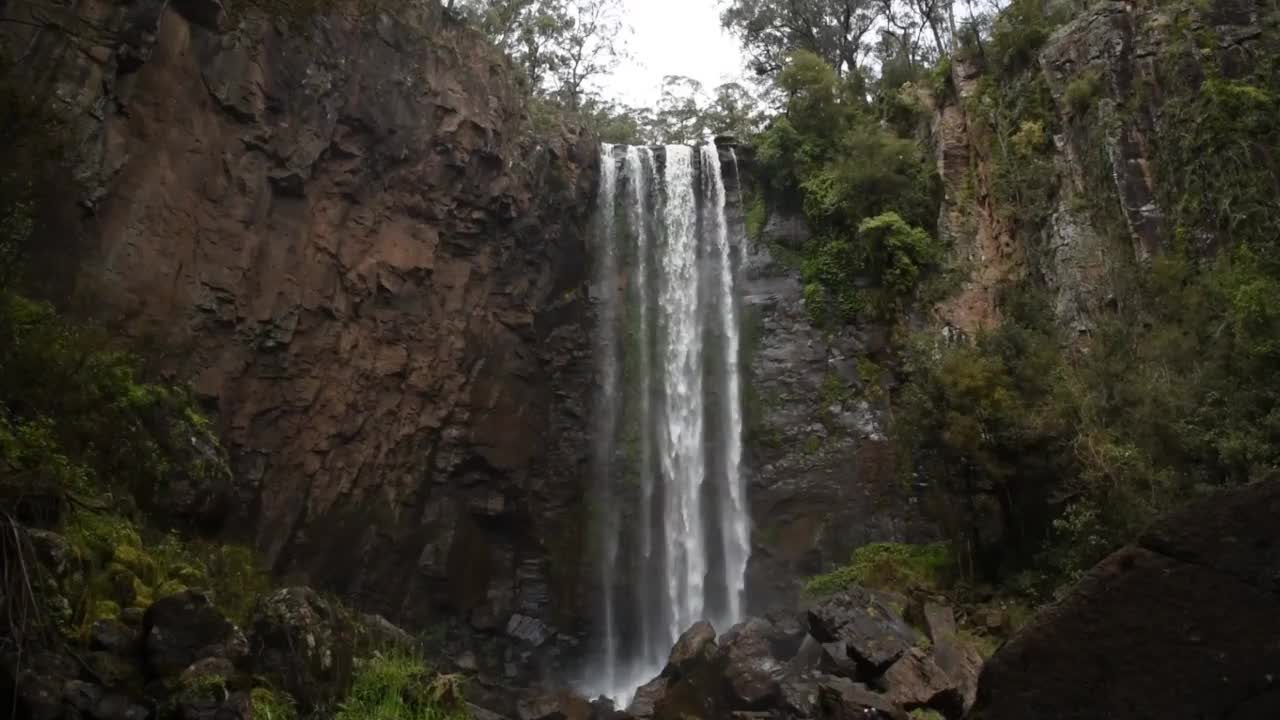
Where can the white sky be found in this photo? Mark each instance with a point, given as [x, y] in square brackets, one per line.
[672, 37]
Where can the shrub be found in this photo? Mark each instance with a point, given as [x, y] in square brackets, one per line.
[1082, 91]
[889, 566]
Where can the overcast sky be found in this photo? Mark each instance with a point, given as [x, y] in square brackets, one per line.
[672, 37]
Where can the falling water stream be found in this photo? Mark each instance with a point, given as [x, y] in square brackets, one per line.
[671, 505]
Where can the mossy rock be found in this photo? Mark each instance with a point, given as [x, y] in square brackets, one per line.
[119, 584]
[103, 610]
[136, 561]
[188, 575]
[114, 671]
[170, 587]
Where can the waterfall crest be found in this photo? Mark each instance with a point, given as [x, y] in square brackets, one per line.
[672, 517]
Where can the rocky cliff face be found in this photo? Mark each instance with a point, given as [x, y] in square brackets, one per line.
[373, 272]
[1107, 75]
[821, 469]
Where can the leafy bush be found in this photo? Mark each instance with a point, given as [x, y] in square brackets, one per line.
[890, 566]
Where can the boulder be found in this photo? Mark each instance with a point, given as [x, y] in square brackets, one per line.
[183, 628]
[230, 706]
[915, 681]
[873, 631]
[202, 671]
[33, 684]
[304, 643]
[843, 699]
[808, 657]
[647, 697]
[81, 696]
[787, 632]
[750, 668]
[1181, 625]
[114, 637]
[52, 550]
[799, 697]
[118, 706]
[835, 660]
[379, 633]
[530, 630]
[113, 671]
[696, 645]
[554, 706]
[475, 712]
[939, 621]
[963, 664]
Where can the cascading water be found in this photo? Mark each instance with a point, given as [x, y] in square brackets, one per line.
[672, 512]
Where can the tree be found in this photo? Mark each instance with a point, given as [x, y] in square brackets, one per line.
[734, 111]
[559, 44]
[687, 114]
[771, 30]
[590, 46]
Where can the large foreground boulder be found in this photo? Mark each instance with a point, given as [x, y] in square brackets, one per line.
[1185, 624]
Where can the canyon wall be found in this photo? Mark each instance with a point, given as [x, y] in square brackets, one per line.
[346, 234]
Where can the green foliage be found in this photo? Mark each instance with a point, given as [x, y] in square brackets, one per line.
[399, 686]
[121, 562]
[890, 255]
[1019, 32]
[756, 216]
[269, 704]
[73, 410]
[869, 196]
[1082, 91]
[1018, 114]
[889, 566]
[1077, 451]
[1218, 166]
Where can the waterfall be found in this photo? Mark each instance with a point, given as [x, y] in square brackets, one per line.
[674, 528]
[735, 531]
[606, 402]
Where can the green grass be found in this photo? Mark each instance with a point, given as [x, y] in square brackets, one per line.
[269, 704]
[400, 686]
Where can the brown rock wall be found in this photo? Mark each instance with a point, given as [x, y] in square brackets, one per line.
[352, 244]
